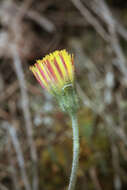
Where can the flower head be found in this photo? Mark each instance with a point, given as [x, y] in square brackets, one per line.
[54, 71]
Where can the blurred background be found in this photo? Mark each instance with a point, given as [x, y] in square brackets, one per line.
[35, 135]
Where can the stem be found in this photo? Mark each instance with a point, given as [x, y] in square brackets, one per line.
[73, 176]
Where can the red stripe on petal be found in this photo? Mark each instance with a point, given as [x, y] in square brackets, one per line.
[39, 80]
[42, 73]
[62, 59]
[72, 60]
[51, 71]
[58, 68]
[47, 71]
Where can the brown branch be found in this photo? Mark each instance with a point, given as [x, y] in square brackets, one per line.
[12, 165]
[12, 133]
[41, 20]
[25, 107]
[101, 9]
[90, 19]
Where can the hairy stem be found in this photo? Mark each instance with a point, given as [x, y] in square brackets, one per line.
[73, 176]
